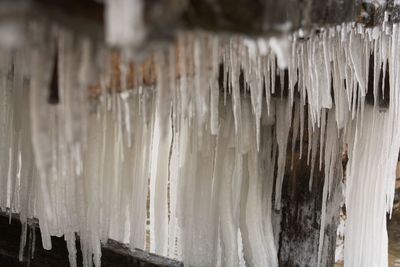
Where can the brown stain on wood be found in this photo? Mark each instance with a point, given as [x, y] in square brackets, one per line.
[143, 73]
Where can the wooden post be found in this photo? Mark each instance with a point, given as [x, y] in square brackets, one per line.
[299, 220]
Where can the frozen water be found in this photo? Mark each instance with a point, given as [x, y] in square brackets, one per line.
[200, 163]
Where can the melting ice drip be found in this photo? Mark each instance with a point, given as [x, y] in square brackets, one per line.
[206, 156]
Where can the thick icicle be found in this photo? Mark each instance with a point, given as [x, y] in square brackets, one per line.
[283, 122]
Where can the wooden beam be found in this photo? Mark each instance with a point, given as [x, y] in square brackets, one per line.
[299, 220]
[164, 18]
[113, 252]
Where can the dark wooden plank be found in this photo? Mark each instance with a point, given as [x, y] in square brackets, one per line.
[163, 18]
[114, 254]
[299, 219]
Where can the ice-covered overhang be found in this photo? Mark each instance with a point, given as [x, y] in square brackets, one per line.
[160, 20]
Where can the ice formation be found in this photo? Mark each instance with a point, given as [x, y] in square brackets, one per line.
[205, 133]
[124, 22]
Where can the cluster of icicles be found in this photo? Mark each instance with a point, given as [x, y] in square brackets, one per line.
[187, 168]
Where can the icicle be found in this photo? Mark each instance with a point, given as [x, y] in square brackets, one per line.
[159, 176]
[324, 75]
[330, 158]
[356, 55]
[281, 48]
[234, 76]
[22, 242]
[295, 130]
[228, 226]
[214, 87]
[40, 123]
[322, 136]
[174, 229]
[283, 121]
[253, 222]
[267, 82]
[301, 128]
[256, 85]
[368, 161]
[201, 97]
[314, 149]
[258, 248]
[267, 172]
[71, 246]
[127, 119]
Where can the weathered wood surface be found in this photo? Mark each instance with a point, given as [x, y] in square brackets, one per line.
[299, 219]
[163, 18]
[114, 254]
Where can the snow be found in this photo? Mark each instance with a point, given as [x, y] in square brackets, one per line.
[124, 22]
